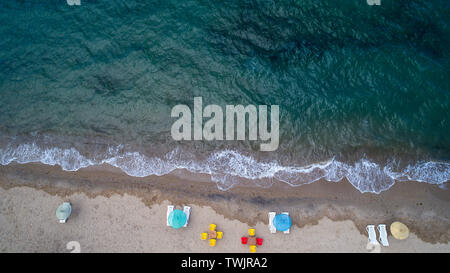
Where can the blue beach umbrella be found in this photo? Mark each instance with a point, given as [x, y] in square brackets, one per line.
[177, 218]
[282, 222]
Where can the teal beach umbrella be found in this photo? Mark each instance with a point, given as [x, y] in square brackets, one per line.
[282, 222]
[63, 211]
[177, 218]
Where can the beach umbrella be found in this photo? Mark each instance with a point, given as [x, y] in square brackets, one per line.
[177, 218]
[282, 222]
[63, 211]
[399, 230]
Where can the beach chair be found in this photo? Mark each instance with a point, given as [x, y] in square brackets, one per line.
[287, 231]
[212, 227]
[169, 210]
[383, 234]
[187, 211]
[271, 226]
[219, 234]
[251, 232]
[212, 242]
[244, 240]
[252, 249]
[372, 235]
[204, 236]
[259, 241]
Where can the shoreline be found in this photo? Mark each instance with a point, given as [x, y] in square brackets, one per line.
[422, 207]
[229, 167]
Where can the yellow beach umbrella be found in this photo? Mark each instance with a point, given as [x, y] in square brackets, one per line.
[399, 230]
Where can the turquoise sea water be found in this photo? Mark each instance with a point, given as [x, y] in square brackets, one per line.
[363, 90]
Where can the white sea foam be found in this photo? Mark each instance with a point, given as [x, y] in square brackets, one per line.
[227, 167]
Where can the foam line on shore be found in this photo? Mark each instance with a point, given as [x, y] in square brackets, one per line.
[228, 167]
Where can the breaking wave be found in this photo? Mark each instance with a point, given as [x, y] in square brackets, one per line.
[227, 167]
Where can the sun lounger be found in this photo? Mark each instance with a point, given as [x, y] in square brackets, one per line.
[169, 210]
[271, 226]
[372, 235]
[383, 234]
[187, 211]
[287, 231]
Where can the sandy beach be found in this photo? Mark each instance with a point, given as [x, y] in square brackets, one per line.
[116, 213]
[125, 224]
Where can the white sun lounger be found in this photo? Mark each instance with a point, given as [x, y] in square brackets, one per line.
[372, 235]
[169, 210]
[287, 231]
[383, 235]
[271, 226]
[187, 211]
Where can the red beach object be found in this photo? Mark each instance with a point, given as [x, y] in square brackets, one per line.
[259, 241]
[244, 240]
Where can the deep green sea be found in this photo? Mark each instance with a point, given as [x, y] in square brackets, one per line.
[363, 91]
